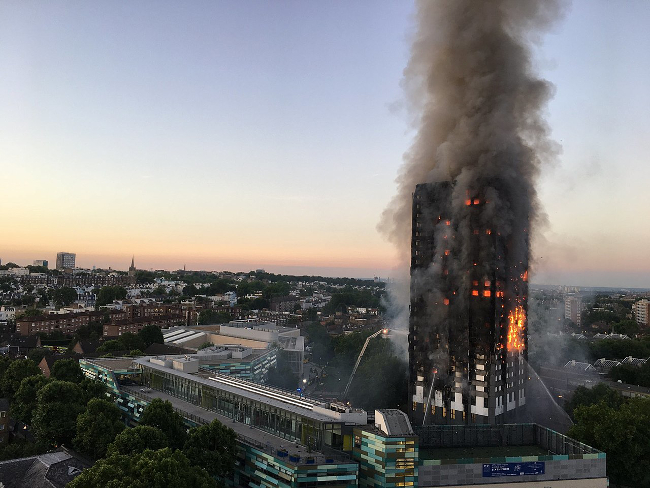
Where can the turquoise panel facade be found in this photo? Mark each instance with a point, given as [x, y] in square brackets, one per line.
[385, 461]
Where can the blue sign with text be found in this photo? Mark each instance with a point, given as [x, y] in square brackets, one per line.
[513, 469]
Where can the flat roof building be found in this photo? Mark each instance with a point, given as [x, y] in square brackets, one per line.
[65, 260]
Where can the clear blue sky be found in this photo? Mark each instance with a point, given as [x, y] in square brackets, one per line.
[243, 134]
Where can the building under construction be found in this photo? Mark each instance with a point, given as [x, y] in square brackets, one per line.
[467, 327]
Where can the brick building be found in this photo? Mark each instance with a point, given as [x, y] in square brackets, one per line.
[66, 323]
[117, 328]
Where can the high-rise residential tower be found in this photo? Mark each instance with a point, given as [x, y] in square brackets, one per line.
[467, 327]
[65, 260]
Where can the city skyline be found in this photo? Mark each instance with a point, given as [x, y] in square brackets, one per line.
[244, 136]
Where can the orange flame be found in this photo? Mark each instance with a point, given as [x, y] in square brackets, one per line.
[516, 325]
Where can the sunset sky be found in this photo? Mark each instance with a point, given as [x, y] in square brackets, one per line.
[246, 134]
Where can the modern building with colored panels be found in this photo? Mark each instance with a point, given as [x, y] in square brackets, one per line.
[240, 362]
[116, 374]
[388, 453]
[287, 415]
[267, 457]
[260, 468]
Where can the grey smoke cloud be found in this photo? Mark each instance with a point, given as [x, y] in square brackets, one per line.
[478, 109]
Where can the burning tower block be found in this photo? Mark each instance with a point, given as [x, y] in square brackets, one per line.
[467, 327]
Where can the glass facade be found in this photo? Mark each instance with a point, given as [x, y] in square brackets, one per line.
[278, 421]
[255, 370]
[260, 469]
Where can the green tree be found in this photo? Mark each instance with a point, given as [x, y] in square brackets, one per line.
[137, 440]
[190, 291]
[93, 389]
[97, 427]
[25, 399]
[64, 296]
[5, 361]
[31, 312]
[629, 327]
[159, 290]
[129, 341]
[110, 346]
[584, 397]
[38, 354]
[212, 447]
[93, 331]
[151, 334]
[623, 433]
[18, 370]
[143, 277]
[161, 415]
[67, 370]
[208, 316]
[107, 294]
[149, 469]
[55, 417]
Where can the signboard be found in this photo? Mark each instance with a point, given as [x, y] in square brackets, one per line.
[513, 469]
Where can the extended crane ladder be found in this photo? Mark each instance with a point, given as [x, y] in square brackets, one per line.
[356, 365]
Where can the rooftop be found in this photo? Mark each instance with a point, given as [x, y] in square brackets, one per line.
[272, 396]
[255, 437]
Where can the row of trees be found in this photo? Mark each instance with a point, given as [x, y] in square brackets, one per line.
[158, 452]
[51, 406]
[350, 297]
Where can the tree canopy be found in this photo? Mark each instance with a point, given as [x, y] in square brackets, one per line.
[623, 433]
[55, 417]
[107, 294]
[64, 296]
[150, 469]
[161, 415]
[212, 447]
[16, 371]
[25, 399]
[67, 370]
[137, 440]
[151, 334]
[97, 427]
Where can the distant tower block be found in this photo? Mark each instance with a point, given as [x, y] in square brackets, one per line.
[65, 260]
[467, 325]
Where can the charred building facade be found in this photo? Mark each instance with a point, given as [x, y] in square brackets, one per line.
[467, 326]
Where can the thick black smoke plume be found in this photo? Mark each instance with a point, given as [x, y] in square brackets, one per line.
[478, 107]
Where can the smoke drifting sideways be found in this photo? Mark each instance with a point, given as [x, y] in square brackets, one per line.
[477, 106]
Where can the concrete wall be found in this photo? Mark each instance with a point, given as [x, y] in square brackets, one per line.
[592, 483]
[591, 470]
[252, 333]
